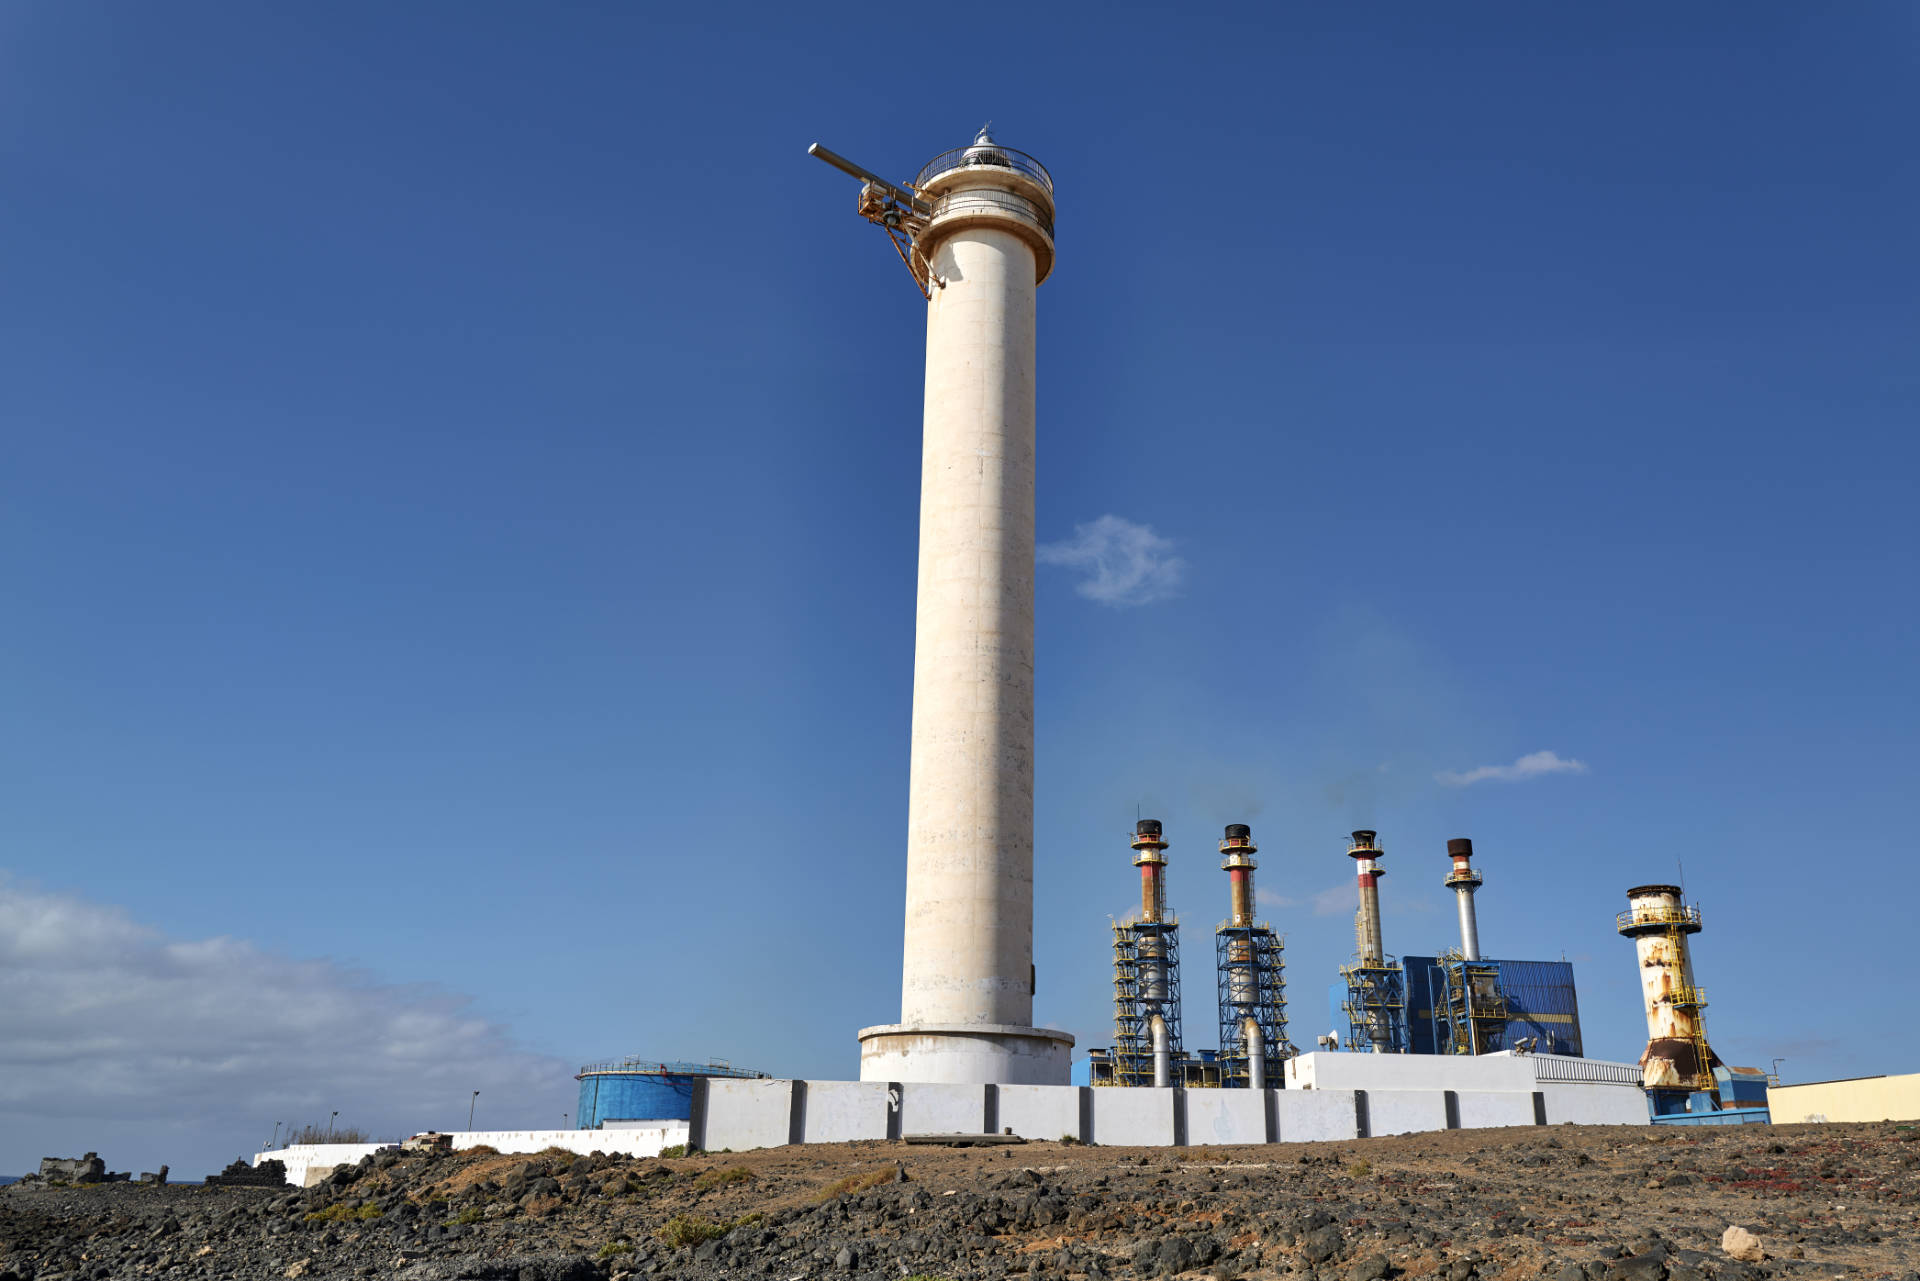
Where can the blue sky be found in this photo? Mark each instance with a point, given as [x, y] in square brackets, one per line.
[459, 522]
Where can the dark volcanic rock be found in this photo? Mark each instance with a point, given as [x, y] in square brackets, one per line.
[1463, 1206]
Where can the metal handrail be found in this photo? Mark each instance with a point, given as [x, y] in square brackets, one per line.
[661, 1067]
[981, 155]
[1657, 916]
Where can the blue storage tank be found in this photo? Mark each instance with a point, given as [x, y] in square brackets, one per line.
[636, 1089]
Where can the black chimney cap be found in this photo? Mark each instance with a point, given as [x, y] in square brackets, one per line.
[1460, 845]
[1147, 827]
[1364, 836]
[1239, 832]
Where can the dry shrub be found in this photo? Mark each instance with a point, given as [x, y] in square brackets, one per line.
[721, 1178]
[687, 1229]
[856, 1183]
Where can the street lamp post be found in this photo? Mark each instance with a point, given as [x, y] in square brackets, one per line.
[470, 1103]
[276, 1135]
[330, 1121]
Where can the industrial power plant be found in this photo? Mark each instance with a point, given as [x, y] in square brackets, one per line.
[1454, 1002]
[1449, 1040]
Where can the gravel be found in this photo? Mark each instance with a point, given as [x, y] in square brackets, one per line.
[1567, 1204]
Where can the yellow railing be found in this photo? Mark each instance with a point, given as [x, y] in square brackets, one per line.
[1657, 916]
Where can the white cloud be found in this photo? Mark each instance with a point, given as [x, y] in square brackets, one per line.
[150, 1049]
[1125, 563]
[1336, 899]
[1532, 765]
[1274, 898]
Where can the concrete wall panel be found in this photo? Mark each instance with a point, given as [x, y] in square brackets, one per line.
[1405, 1111]
[1581, 1104]
[1325, 1071]
[1310, 1116]
[743, 1115]
[1133, 1116]
[1488, 1109]
[843, 1111]
[1226, 1116]
[943, 1109]
[1042, 1111]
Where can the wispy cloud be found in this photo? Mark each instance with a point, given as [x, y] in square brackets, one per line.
[1125, 563]
[1532, 765]
[1335, 900]
[111, 1024]
[1274, 898]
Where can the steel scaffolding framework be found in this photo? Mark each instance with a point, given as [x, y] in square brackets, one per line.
[1134, 959]
[1469, 1003]
[1250, 973]
[1376, 1006]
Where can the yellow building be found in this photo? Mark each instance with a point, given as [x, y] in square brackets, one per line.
[1864, 1098]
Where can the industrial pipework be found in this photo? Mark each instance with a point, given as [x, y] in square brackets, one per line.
[1677, 1062]
[1251, 975]
[1463, 882]
[1376, 1003]
[1146, 973]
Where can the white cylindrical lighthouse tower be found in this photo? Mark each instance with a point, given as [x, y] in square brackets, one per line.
[980, 240]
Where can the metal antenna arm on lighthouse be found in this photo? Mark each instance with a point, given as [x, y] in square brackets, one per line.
[975, 226]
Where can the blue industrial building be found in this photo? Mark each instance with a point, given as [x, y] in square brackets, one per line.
[1540, 1006]
[636, 1089]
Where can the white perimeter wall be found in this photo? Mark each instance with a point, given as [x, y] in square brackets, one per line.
[319, 1158]
[308, 1163]
[1322, 1071]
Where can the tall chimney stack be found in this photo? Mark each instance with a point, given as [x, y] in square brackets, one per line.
[1237, 862]
[1366, 925]
[1677, 1061]
[1150, 858]
[1463, 882]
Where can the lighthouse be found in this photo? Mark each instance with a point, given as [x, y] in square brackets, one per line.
[975, 229]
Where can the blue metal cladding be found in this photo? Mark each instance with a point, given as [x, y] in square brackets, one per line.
[626, 1097]
[1541, 1002]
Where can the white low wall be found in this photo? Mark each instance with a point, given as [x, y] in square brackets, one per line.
[1323, 1071]
[1581, 1103]
[1406, 1111]
[1490, 1110]
[946, 1109]
[1314, 1116]
[636, 1140]
[1132, 1116]
[1043, 1111]
[844, 1111]
[1227, 1116]
[743, 1115]
[308, 1163]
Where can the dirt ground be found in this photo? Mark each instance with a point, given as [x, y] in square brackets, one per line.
[1565, 1203]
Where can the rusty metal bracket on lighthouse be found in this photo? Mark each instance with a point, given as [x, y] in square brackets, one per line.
[899, 211]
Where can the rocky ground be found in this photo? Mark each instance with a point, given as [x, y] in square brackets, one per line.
[1566, 1204]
